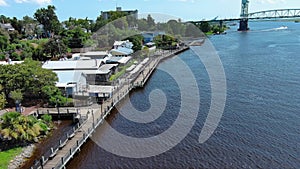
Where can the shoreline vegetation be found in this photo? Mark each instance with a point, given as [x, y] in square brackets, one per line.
[9, 155]
[18, 135]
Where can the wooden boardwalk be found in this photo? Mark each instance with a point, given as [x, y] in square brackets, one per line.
[62, 154]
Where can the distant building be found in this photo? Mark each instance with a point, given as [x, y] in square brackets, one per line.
[149, 36]
[7, 27]
[97, 54]
[122, 61]
[107, 14]
[122, 48]
[96, 70]
[71, 82]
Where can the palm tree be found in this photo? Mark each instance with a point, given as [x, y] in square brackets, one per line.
[22, 128]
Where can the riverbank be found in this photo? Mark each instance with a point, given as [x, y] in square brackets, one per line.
[20, 159]
[95, 115]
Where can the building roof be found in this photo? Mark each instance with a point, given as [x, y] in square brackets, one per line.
[92, 64]
[105, 69]
[66, 78]
[100, 89]
[121, 60]
[95, 53]
[126, 44]
[121, 51]
[7, 26]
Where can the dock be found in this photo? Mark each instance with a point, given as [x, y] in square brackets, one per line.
[93, 116]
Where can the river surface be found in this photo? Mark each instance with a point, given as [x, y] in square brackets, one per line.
[260, 126]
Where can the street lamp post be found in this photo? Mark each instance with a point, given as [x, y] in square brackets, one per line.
[93, 119]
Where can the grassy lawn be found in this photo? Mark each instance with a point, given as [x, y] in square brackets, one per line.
[7, 156]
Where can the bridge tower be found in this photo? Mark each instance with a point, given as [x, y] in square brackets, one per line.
[244, 16]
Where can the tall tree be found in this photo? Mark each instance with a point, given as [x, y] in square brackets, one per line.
[29, 26]
[17, 24]
[55, 47]
[205, 27]
[48, 18]
[29, 76]
[142, 24]
[150, 21]
[4, 39]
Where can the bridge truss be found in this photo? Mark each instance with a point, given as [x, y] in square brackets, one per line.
[273, 14]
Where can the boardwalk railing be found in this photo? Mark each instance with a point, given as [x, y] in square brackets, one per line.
[119, 94]
[60, 144]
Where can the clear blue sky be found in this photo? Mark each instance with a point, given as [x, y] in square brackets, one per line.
[185, 9]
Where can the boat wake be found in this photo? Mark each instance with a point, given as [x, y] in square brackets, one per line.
[276, 29]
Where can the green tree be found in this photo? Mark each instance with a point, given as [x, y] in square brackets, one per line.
[76, 37]
[137, 41]
[48, 18]
[142, 24]
[16, 95]
[17, 24]
[4, 39]
[192, 30]
[14, 126]
[165, 41]
[55, 47]
[205, 27]
[4, 19]
[176, 27]
[29, 77]
[150, 22]
[29, 26]
[54, 96]
[2, 98]
[100, 22]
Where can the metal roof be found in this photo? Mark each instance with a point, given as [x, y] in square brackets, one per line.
[107, 68]
[122, 60]
[121, 51]
[68, 76]
[92, 64]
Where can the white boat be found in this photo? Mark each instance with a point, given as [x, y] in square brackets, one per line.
[282, 27]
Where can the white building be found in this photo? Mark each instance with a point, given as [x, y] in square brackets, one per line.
[96, 54]
[7, 27]
[122, 48]
[71, 82]
[95, 69]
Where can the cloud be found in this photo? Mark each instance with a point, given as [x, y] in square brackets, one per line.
[40, 2]
[3, 3]
[271, 1]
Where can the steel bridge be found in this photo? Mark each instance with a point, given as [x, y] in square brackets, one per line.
[275, 14]
[245, 16]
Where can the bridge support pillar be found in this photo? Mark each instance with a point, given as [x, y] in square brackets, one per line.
[243, 25]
